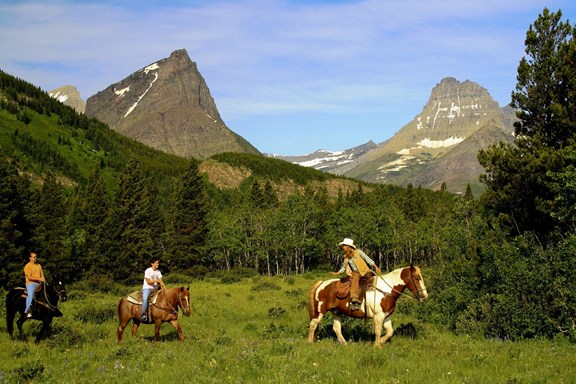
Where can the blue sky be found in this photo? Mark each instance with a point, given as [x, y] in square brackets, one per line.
[290, 76]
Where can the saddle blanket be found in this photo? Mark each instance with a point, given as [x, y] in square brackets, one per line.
[136, 297]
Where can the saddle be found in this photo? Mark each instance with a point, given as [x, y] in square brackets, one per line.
[24, 293]
[36, 302]
[136, 297]
[344, 284]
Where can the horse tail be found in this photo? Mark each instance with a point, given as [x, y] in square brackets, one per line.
[312, 299]
[10, 311]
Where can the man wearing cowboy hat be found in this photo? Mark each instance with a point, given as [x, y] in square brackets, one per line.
[357, 265]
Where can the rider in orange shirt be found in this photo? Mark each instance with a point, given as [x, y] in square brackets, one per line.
[34, 276]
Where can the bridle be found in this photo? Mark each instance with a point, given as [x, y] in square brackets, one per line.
[412, 279]
[184, 307]
[175, 310]
[59, 293]
[418, 290]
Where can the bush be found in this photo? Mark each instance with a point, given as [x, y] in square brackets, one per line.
[265, 285]
[99, 283]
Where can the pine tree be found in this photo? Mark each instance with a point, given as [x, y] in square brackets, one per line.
[188, 219]
[127, 238]
[49, 215]
[15, 228]
[519, 178]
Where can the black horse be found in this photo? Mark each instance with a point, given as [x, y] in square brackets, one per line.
[44, 307]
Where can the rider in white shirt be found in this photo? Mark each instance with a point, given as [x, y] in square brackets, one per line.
[152, 277]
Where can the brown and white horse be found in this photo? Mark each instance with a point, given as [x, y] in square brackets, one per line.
[379, 302]
[165, 309]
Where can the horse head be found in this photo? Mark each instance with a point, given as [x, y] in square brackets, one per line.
[60, 290]
[415, 282]
[184, 300]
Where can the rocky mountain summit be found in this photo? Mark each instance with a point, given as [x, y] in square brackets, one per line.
[167, 105]
[440, 145]
[69, 95]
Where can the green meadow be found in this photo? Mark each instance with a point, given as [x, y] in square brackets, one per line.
[253, 330]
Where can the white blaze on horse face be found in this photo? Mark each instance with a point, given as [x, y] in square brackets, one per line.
[423, 293]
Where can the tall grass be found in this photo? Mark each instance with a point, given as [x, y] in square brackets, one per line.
[253, 331]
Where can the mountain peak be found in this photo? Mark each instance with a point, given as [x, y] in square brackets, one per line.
[69, 95]
[167, 105]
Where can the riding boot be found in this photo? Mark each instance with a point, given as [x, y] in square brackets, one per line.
[355, 291]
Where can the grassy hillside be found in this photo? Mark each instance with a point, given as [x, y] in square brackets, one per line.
[40, 132]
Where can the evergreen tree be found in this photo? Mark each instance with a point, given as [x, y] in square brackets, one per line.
[127, 237]
[520, 189]
[546, 83]
[86, 221]
[15, 228]
[49, 215]
[188, 223]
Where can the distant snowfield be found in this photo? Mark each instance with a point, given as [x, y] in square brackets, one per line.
[427, 143]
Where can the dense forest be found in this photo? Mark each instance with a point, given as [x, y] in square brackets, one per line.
[98, 207]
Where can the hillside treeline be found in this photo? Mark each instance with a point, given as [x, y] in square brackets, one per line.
[501, 265]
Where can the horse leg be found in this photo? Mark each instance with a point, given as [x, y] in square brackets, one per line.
[176, 325]
[337, 327]
[10, 314]
[313, 329]
[157, 323]
[378, 321]
[135, 325]
[44, 330]
[19, 323]
[389, 331]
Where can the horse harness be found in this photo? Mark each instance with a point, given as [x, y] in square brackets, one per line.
[172, 309]
[47, 304]
[412, 279]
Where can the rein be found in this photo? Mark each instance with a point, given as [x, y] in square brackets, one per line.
[171, 309]
[417, 294]
[46, 295]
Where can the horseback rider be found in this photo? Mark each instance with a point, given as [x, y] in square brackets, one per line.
[34, 276]
[357, 265]
[152, 277]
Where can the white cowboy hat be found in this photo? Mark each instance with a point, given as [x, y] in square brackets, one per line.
[348, 242]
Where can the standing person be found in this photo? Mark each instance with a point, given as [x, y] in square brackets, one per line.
[34, 276]
[357, 265]
[152, 277]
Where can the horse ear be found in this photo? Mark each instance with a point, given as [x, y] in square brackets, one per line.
[181, 289]
[188, 288]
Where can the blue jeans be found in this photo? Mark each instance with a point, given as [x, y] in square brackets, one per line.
[30, 290]
[145, 294]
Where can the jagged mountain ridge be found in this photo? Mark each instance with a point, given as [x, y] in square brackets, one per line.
[327, 161]
[440, 144]
[168, 106]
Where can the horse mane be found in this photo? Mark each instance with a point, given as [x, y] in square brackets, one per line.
[171, 293]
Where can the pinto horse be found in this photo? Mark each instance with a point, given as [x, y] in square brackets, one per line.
[44, 307]
[379, 302]
[165, 309]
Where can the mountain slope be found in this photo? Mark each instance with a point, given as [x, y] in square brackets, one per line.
[439, 145]
[167, 105]
[39, 133]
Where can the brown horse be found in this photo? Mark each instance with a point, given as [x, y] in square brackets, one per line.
[379, 302]
[165, 309]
